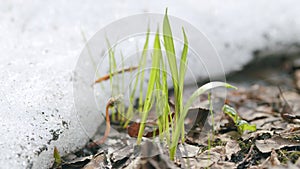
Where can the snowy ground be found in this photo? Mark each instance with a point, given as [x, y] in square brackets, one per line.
[41, 41]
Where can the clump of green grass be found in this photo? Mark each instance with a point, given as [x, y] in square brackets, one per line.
[170, 127]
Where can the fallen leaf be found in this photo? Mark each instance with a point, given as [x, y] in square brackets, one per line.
[152, 158]
[77, 163]
[274, 158]
[232, 147]
[97, 162]
[121, 154]
[198, 122]
[133, 129]
[210, 157]
[251, 114]
[188, 150]
[223, 165]
[276, 142]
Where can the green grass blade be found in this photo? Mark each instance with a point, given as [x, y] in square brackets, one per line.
[169, 46]
[182, 70]
[183, 61]
[152, 80]
[211, 112]
[203, 89]
[140, 76]
[166, 109]
[112, 64]
[139, 79]
[142, 66]
[171, 56]
[189, 103]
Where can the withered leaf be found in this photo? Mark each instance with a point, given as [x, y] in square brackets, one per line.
[232, 147]
[198, 123]
[133, 129]
[276, 142]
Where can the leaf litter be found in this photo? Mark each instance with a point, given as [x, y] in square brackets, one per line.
[275, 111]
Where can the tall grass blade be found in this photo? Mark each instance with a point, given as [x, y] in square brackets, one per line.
[152, 80]
[142, 66]
[139, 79]
[171, 56]
[183, 61]
[182, 70]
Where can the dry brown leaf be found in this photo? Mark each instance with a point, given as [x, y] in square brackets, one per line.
[271, 161]
[188, 150]
[274, 158]
[133, 129]
[223, 165]
[232, 147]
[96, 163]
[152, 158]
[250, 114]
[77, 163]
[276, 142]
[121, 154]
[210, 157]
[198, 116]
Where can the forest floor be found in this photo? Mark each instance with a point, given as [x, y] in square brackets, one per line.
[267, 96]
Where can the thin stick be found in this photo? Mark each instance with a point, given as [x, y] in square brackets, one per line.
[109, 104]
[248, 155]
[108, 76]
